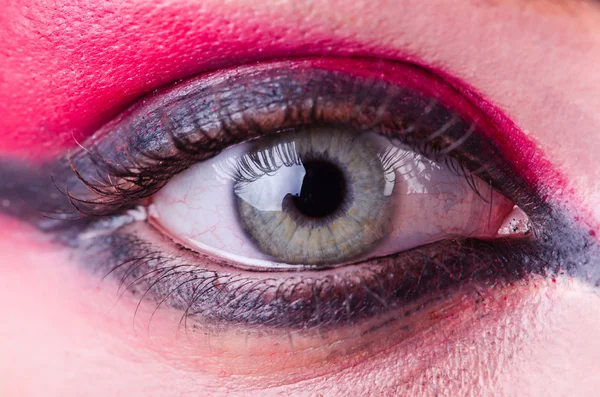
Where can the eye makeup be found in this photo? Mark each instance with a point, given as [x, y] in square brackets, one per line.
[133, 155]
[95, 191]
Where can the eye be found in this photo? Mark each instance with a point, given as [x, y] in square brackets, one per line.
[306, 194]
[323, 196]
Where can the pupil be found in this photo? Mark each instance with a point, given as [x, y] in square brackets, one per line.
[323, 189]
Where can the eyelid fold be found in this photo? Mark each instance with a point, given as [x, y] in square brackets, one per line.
[134, 155]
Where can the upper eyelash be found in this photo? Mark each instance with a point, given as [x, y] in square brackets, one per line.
[244, 169]
[148, 177]
[111, 185]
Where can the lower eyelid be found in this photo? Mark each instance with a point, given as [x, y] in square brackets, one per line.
[130, 254]
[322, 344]
[145, 263]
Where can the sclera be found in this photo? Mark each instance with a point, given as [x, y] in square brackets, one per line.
[430, 201]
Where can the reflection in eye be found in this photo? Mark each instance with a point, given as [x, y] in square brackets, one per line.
[293, 167]
[323, 196]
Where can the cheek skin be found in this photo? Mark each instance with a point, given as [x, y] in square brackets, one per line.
[62, 334]
[563, 359]
[518, 331]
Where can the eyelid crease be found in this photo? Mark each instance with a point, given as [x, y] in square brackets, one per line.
[134, 155]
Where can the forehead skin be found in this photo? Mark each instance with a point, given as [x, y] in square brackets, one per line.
[66, 67]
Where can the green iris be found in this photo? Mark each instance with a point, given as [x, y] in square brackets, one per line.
[315, 196]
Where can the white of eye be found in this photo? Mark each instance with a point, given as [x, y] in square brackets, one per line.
[430, 202]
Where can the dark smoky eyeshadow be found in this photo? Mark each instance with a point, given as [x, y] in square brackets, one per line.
[134, 155]
[92, 190]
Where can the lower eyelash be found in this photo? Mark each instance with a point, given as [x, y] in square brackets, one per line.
[214, 294]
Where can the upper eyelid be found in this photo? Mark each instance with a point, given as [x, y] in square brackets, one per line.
[511, 142]
[106, 156]
[124, 141]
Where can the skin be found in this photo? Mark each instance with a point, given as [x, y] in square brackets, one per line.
[65, 69]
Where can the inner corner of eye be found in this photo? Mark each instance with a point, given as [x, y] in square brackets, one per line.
[321, 197]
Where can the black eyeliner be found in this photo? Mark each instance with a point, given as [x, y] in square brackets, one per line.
[134, 155]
